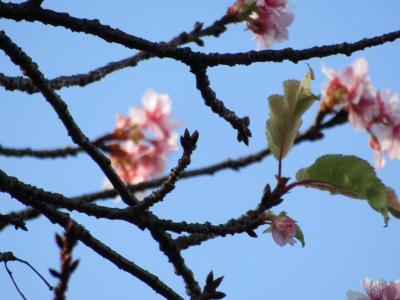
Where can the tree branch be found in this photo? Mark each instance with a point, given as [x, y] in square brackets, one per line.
[66, 243]
[36, 3]
[217, 106]
[166, 244]
[312, 134]
[25, 85]
[30, 68]
[188, 143]
[12, 186]
[20, 12]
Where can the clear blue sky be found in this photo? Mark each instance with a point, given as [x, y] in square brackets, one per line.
[345, 240]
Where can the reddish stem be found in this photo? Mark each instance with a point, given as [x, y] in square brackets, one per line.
[307, 182]
[279, 168]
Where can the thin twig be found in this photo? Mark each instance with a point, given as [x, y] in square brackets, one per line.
[217, 106]
[29, 152]
[54, 153]
[37, 273]
[66, 243]
[188, 143]
[9, 256]
[14, 282]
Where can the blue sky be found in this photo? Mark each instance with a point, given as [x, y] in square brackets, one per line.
[345, 239]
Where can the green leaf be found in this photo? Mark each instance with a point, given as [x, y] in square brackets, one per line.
[300, 236]
[285, 114]
[347, 175]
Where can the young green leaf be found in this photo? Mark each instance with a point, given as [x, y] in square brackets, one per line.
[285, 114]
[347, 175]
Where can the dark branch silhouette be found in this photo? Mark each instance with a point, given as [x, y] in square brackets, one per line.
[20, 12]
[138, 213]
[195, 35]
[217, 106]
[30, 68]
[312, 134]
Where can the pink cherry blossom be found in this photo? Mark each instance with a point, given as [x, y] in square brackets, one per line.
[352, 89]
[268, 19]
[269, 22]
[135, 163]
[368, 109]
[377, 290]
[142, 140]
[283, 230]
[387, 126]
[155, 114]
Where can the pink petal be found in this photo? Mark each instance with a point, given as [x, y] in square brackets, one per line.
[380, 162]
[279, 238]
[330, 73]
[157, 104]
[356, 120]
[360, 67]
[138, 116]
[394, 152]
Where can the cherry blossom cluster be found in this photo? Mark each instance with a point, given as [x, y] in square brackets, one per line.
[142, 140]
[377, 290]
[268, 19]
[369, 109]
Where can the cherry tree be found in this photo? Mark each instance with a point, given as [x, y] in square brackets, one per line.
[105, 173]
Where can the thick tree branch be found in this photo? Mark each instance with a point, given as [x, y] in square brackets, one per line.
[25, 85]
[19, 12]
[42, 200]
[245, 223]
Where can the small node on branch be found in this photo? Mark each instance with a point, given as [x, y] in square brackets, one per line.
[210, 289]
[188, 141]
